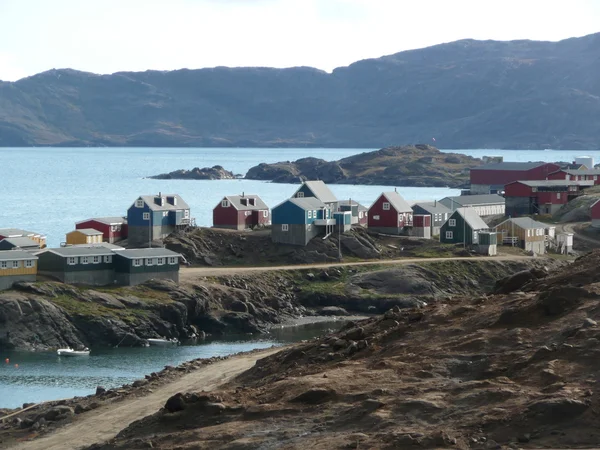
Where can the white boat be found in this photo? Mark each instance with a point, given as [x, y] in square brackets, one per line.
[71, 352]
[163, 342]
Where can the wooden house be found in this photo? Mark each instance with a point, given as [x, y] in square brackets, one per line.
[491, 178]
[526, 198]
[390, 214]
[19, 243]
[17, 232]
[153, 217]
[240, 212]
[463, 227]
[16, 265]
[595, 213]
[484, 205]
[525, 233]
[78, 265]
[297, 220]
[113, 228]
[137, 266]
[84, 236]
[438, 212]
[358, 211]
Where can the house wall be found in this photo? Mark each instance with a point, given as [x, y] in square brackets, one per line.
[76, 237]
[108, 235]
[595, 213]
[297, 234]
[133, 279]
[6, 282]
[21, 270]
[261, 217]
[225, 217]
[537, 247]
[388, 219]
[458, 231]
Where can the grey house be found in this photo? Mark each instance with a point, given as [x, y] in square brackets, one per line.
[78, 265]
[140, 265]
[20, 243]
[438, 212]
[297, 220]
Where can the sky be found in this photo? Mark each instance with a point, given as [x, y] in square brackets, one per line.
[107, 36]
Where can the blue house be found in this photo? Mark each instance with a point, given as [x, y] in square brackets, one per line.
[153, 217]
[318, 190]
[297, 220]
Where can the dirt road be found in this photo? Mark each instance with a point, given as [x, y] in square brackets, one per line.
[191, 273]
[105, 422]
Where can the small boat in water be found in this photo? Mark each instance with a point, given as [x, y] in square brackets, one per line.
[162, 342]
[71, 352]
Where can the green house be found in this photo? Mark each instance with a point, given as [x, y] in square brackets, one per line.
[139, 265]
[463, 226]
[78, 265]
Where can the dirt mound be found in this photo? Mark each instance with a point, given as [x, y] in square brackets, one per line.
[483, 372]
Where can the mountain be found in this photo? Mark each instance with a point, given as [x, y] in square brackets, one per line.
[465, 94]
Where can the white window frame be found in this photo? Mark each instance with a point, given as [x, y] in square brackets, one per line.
[186, 213]
[449, 235]
[108, 258]
[248, 213]
[265, 213]
[149, 261]
[386, 206]
[96, 260]
[160, 261]
[300, 194]
[451, 222]
[310, 214]
[165, 213]
[225, 203]
[558, 195]
[139, 203]
[285, 227]
[146, 216]
[137, 262]
[3, 264]
[172, 260]
[72, 260]
[84, 260]
[376, 217]
[113, 228]
[360, 214]
[16, 264]
[29, 263]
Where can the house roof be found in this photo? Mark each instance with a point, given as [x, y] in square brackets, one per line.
[510, 166]
[147, 253]
[580, 171]
[16, 255]
[320, 190]
[472, 218]
[537, 183]
[525, 222]
[484, 199]
[433, 208]
[397, 201]
[73, 251]
[98, 245]
[307, 203]
[116, 220]
[236, 202]
[22, 242]
[17, 232]
[354, 203]
[87, 232]
[149, 200]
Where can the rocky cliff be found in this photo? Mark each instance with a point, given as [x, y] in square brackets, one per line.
[418, 165]
[206, 173]
[465, 94]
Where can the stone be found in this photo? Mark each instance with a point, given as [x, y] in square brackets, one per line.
[79, 409]
[27, 405]
[332, 311]
[100, 390]
[339, 344]
[354, 334]
[561, 408]
[238, 306]
[59, 412]
[315, 395]
[589, 323]
[175, 403]
[139, 383]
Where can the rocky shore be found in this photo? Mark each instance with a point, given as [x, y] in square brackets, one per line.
[206, 173]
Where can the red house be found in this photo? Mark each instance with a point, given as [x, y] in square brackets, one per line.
[239, 212]
[113, 228]
[491, 178]
[525, 198]
[595, 213]
[390, 214]
[576, 175]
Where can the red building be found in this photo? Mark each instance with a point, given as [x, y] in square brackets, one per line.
[390, 214]
[491, 178]
[595, 213]
[113, 228]
[421, 226]
[525, 198]
[239, 212]
[576, 175]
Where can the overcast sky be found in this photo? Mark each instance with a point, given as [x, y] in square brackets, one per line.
[106, 36]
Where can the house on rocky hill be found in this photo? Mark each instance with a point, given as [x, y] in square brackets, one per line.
[136, 266]
[484, 205]
[240, 212]
[297, 220]
[153, 217]
[319, 190]
[525, 233]
[16, 265]
[113, 228]
[491, 178]
[438, 212]
[463, 227]
[359, 213]
[595, 213]
[390, 214]
[576, 175]
[527, 198]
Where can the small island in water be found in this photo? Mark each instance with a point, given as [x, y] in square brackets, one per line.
[206, 173]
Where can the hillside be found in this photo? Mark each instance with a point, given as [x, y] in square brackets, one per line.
[465, 94]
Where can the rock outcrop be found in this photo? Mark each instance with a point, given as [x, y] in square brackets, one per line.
[206, 173]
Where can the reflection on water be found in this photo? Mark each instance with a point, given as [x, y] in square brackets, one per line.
[46, 376]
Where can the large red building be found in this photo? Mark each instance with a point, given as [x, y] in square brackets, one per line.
[576, 175]
[390, 214]
[239, 212]
[491, 178]
[525, 198]
[113, 229]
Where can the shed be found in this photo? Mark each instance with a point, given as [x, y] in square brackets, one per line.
[84, 236]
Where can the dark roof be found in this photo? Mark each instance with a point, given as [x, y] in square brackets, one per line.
[320, 190]
[147, 253]
[510, 166]
[23, 242]
[17, 232]
[150, 201]
[472, 218]
[78, 251]
[397, 201]
[354, 203]
[116, 220]
[15, 255]
[106, 245]
[483, 199]
[433, 207]
[538, 183]
[86, 231]
[307, 203]
[236, 202]
[525, 222]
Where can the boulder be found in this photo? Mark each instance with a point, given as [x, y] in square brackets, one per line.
[175, 403]
[58, 413]
[100, 390]
[332, 311]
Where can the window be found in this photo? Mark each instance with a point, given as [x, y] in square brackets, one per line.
[139, 203]
[29, 263]
[265, 213]
[225, 203]
[534, 189]
[160, 261]
[71, 261]
[285, 227]
[16, 264]
[165, 213]
[251, 201]
[315, 213]
[452, 223]
[3, 265]
[558, 195]
[84, 260]
[137, 262]
[96, 260]
[375, 217]
[248, 213]
[113, 228]
[360, 214]
[449, 235]
[172, 260]
[148, 261]
[146, 216]
[386, 206]
[310, 214]
[108, 259]
[595, 177]
[186, 213]
[300, 195]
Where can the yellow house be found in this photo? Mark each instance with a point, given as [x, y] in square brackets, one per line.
[84, 236]
[16, 265]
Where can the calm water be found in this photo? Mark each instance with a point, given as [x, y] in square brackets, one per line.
[45, 376]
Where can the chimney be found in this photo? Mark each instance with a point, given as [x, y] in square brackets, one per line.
[396, 190]
[242, 193]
